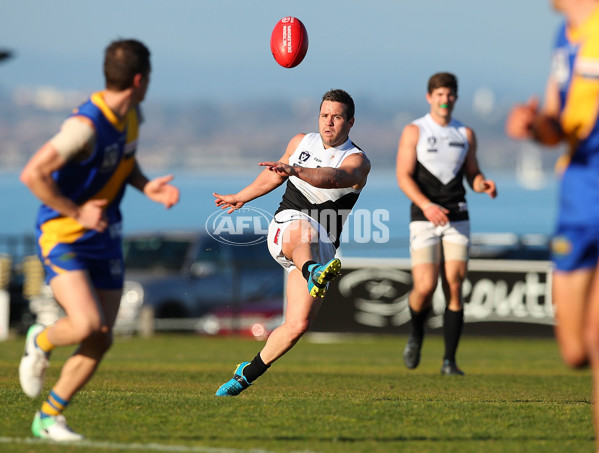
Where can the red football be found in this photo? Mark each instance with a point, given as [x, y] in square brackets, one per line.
[289, 42]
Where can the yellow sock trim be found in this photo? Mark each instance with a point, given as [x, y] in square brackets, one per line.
[48, 409]
[54, 405]
[42, 341]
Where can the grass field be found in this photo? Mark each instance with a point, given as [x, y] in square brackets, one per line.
[350, 395]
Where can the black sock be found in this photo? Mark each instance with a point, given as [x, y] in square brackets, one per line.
[418, 320]
[255, 369]
[453, 322]
[305, 271]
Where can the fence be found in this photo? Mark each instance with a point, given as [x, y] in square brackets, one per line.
[501, 296]
[21, 281]
[17, 246]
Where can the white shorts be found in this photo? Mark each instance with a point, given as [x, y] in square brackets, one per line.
[431, 244]
[323, 250]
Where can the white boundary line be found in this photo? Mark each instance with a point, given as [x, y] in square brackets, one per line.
[136, 446]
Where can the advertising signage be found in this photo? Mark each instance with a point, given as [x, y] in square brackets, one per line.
[500, 297]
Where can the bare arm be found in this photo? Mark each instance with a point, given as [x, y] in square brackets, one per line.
[264, 183]
[37, 176]
[405, 168]
[474, 175]
[528, 121]
[157, 189]
[352, 172]
[406, 165]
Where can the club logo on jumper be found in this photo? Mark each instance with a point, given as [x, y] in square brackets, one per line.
[111, 158]
[245, 226]
[304, 156]
[432, 142]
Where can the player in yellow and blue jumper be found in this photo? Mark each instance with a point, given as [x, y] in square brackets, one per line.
[80, 176]
[570, 114]
[64, 244]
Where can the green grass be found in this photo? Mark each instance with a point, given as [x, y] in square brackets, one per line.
[353, 395]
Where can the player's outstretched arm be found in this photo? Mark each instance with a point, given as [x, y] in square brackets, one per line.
[264, 183]
[351, 173]
[158, 189]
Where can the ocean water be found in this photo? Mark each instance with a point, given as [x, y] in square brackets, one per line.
[516, 210]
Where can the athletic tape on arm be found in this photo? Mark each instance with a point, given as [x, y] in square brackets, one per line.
[74, 138]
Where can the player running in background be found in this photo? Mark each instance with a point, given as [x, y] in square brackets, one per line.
[325, 173]
[80, 177]
[434, 155]
[570, 114]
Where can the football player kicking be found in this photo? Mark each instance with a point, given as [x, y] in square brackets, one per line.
[325, 173]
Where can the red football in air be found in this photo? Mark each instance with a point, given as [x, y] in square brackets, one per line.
[289, 42]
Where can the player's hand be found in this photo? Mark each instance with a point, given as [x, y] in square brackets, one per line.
[436, 214]
[160, 191]
[91, 215]
[229, 202]
[280, 168]
[520, 119]
[487, 186]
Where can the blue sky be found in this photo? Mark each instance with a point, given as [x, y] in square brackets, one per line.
[219, 50]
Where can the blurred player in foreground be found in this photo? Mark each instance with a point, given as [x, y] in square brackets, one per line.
[570, 114]
[434, 155]
[325, 173]
[80, 177]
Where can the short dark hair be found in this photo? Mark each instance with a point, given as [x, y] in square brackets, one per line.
[343, 97]
[443, 80]
[123, 59]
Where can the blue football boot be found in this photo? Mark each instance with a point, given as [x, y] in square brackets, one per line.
[321, 275]
[236, 385]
